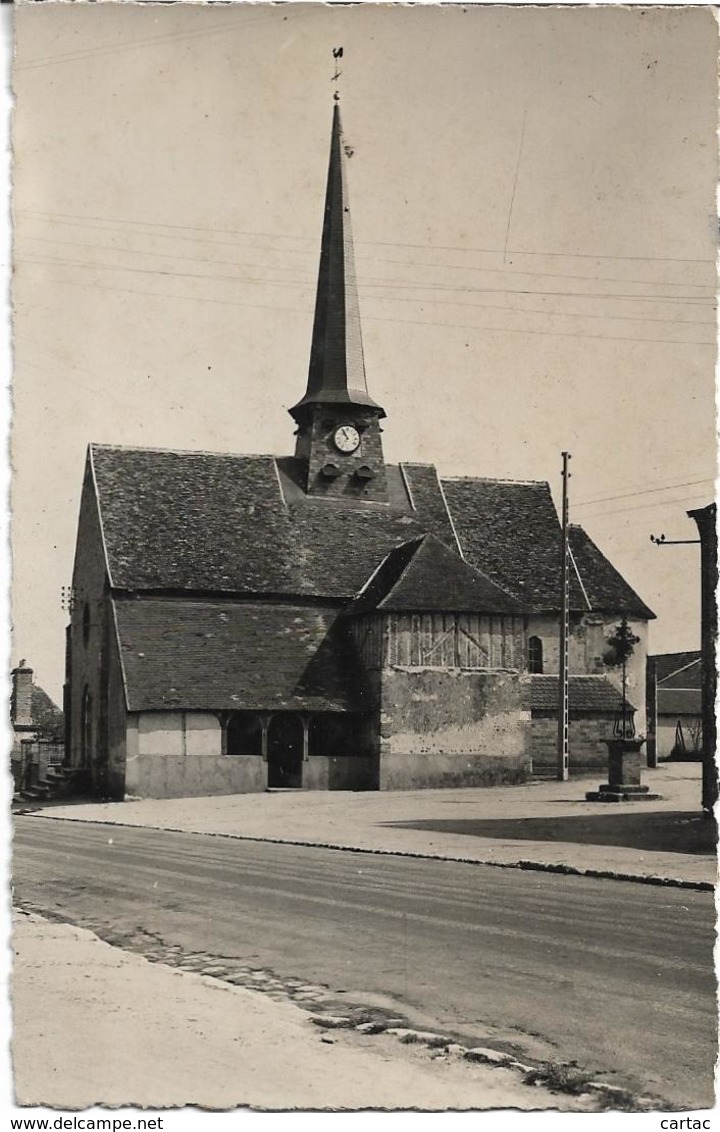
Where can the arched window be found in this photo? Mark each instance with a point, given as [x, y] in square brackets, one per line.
[535, 655]
[244, 734]
[86, 624]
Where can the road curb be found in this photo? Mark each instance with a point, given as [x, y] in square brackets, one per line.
[523, 865]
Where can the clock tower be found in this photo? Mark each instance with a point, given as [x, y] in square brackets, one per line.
[338, 434]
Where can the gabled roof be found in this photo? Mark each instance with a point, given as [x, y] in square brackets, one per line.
[677, 669]
[427, 576]
[222, 655]
[510, 531]
[606, 589]
[586, 694]
[238, 524]
[215, 523]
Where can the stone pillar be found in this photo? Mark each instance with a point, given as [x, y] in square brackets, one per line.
[306, 736]
[265, 724]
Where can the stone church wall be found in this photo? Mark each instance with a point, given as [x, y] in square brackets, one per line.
[117, 725]
[588, 643]
[89, 637]
[452, 727]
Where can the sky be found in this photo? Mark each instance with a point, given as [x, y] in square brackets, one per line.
[533, 204]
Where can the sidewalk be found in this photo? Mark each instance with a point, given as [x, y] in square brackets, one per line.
[540, 825]
[97, 1025]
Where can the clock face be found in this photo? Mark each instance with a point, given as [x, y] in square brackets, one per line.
[346, 438]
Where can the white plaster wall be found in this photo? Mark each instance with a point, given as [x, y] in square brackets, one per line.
[160, 733]
[203, 734]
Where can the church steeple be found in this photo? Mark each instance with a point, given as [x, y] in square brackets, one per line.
[339, 433]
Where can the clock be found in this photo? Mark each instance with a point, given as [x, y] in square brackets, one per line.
[346, 438]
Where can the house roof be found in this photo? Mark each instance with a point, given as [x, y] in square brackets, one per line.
[586, 694]
[214, 523]
[426, 575]
[679, 701]
[677, 669]
[219, 654]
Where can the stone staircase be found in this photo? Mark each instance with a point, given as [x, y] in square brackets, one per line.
[59, 782]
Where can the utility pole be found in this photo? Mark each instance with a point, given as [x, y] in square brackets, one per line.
[563, 675]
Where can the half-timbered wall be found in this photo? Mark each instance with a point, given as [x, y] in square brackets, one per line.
[440, 640]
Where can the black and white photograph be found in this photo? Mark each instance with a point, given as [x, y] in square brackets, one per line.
[363, 456]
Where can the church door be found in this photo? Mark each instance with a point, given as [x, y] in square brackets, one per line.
[285, 750]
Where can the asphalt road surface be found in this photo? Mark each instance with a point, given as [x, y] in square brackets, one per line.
[617, 976]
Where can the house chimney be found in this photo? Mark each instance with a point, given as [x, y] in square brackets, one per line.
[21, 703]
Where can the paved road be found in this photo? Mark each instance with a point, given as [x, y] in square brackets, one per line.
[615, 975]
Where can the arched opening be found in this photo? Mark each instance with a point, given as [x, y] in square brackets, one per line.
[285, 750]
[244, 734]
[333, 733]
[535, 655]
[86, 728]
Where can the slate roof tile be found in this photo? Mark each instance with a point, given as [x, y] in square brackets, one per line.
[216, 523]
[426, 575]
[239, 524]
[223, 655]
[510, 530]
[606, 588]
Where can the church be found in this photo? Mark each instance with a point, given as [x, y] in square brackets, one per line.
[326, 620]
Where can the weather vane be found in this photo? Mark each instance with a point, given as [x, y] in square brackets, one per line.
[337, 54]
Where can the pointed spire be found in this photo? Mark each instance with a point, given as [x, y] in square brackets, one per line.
[337, 367]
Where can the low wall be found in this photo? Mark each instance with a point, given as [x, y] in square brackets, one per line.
[188, 776]
[340, 772]
[432, 770]
[586, 746]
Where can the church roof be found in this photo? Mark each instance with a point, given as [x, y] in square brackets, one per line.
[510, 530]
[606, 589]
[427, 576]
[199, 521]
[238, 524]
[223, 655]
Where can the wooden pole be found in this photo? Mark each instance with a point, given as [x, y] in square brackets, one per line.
[563, 676]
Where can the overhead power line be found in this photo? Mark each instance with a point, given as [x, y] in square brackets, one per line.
[394, 284]
[377, 243]
[397, 321]
[509, 272]
[85, 265]
[642, 507]
[645, 491]
[133, 45]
